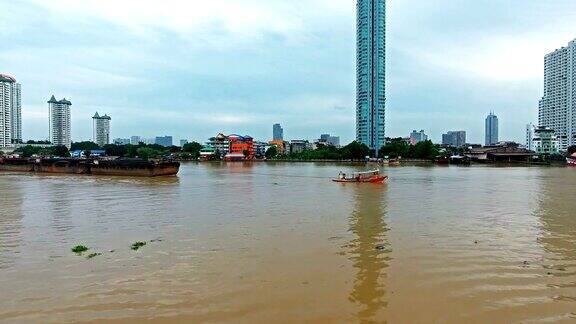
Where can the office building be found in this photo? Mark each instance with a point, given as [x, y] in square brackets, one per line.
[277, 133]
[371, 73]
[10, 111]
[417, 137]
[529, 137]
[60, 126]
[135, 140]
[101, 129]
[165, 141]
[557, 108]
[454, 138]
[491, 130]
[121, 141]
[545, 141]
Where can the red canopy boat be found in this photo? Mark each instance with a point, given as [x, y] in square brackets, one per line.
[571, 161]
[362, 177]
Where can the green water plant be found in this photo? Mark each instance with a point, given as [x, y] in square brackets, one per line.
[79, 249]
[93, 255]
[137, 245]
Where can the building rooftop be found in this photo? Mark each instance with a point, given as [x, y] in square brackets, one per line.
[7, 78]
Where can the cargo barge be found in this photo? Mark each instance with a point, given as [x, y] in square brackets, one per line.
[118, 167]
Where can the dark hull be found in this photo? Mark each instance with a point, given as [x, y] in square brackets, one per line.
[130, 168]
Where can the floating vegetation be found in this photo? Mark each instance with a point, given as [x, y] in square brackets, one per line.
[93, 255]
[137, 245]
[79, 249]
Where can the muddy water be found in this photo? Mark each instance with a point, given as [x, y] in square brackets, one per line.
[279, 242]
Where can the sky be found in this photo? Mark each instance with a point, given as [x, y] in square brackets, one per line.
[194, 68]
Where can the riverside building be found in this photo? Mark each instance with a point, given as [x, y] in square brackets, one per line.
[277, 133]
[101, 129]
[10, 111]
[371, 73]
[557, 108]
[59, 127]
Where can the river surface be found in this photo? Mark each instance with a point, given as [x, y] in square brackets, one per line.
[264, 243]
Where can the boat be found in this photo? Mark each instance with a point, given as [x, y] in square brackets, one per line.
[362, 177]
[459, 160]
[571, 160]
[118, 167]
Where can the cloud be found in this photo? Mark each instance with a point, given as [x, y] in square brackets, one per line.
[193, 68]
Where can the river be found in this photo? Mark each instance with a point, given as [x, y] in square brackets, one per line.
[266, 242]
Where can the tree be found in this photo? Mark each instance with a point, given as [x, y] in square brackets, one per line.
[271, 152]
[117, 150]
[193, 148]
[83, 146]
[28, 151]
[355, 151]
[148, 153]
[246, 153]
[60, 151]
[1, 153]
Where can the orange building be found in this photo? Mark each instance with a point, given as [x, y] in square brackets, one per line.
[242, 144]
[279, 145]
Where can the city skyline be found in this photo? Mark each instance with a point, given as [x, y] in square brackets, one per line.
[427, 89]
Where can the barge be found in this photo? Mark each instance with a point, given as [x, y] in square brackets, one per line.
[118, 167]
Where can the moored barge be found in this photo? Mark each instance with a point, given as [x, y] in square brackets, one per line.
[118, 167]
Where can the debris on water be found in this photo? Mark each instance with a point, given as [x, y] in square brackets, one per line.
[93, 255]
[475, 242]
[137, 245]
[79, 249]
[156, 240]
[111, 251]
[525, 262]
[380, 247]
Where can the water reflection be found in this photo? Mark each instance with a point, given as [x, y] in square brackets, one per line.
[369, 251]
[557, 213]
[10, 222]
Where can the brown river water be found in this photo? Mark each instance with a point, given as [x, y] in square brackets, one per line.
[262, 243]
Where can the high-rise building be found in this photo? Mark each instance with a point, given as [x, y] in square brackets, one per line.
[101, 129]
[10, 111]
[371, 73]
[557, 108]
[529, 137]
[491, 130]
[417, 137]
[277, 133]
[165, 141]
[454, 138]
[60, 126]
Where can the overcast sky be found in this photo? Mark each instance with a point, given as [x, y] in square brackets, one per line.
[194, 68]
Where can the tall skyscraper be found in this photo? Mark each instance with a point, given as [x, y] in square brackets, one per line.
[10, 111]
[491, 129]
[277, 133]
[60, 126]
[557, 108]
[165, 141]
[101, 129]
[371, 73]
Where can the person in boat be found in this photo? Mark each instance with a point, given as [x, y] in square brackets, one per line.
[342, 175]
